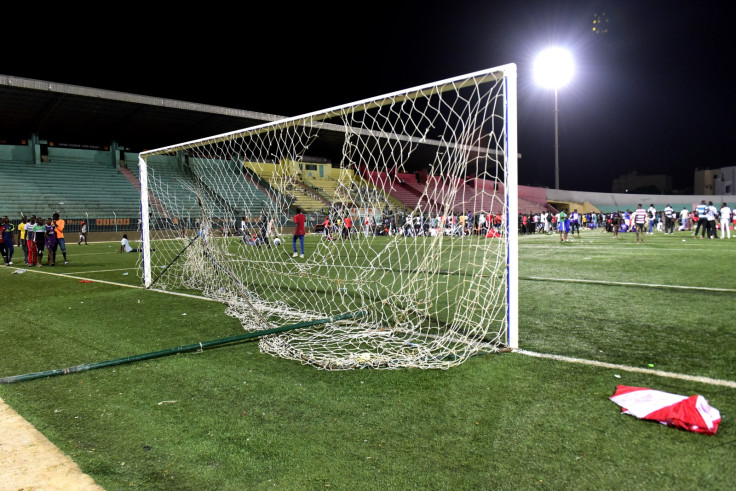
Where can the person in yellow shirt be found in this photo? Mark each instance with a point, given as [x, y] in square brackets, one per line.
[463, 219]
[22, 238]
[60, 242]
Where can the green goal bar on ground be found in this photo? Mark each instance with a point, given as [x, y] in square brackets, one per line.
[172, 351]
[407, 198]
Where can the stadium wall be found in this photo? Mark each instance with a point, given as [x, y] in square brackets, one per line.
[16, 153]
[608, 202]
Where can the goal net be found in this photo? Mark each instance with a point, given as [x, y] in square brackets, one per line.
[409, 256]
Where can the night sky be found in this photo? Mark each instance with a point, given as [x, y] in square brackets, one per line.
[653, 95]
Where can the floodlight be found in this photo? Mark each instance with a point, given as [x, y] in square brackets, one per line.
[554, 68]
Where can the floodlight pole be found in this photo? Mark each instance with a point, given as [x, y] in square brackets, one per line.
[553, 68]
[557, 145]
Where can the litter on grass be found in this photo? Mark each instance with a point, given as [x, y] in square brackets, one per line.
[691, 413]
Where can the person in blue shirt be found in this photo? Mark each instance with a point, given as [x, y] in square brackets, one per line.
[702, 211]
[575, 222]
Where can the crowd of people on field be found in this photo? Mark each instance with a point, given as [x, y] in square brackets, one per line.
[340, 224]
[36, 236]
[706, 220]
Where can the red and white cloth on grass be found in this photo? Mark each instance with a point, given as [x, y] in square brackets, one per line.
[688, 413]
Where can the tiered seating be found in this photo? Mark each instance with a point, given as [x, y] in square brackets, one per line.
[326, 186]
[72, 188]
[84, 188]
[225, 178]
[174, 189]
[300, 195]
[393, 186]
[530, 200]
[457, 193]
[533, 200]
[436, 192]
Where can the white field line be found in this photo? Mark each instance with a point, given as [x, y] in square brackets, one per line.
[619, 248]
[625, 368]
[626, 283]
[109, 270]
[692, 378]
[622, 248]
[137, 287]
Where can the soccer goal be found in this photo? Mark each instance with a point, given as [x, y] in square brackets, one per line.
[411, 234]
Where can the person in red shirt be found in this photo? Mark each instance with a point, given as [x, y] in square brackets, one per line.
[348, 226]
[326, 225]
[299, 231]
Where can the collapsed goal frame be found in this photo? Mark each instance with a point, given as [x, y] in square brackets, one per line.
[438, 284]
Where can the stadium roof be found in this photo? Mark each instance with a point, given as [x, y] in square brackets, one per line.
[70, 114]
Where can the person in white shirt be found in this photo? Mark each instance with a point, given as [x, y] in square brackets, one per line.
[669, 220]
[639, 217]
[726, 221]
[684, 219]
[652, 217]
[125, 245]
[482, 223]
[712, 215]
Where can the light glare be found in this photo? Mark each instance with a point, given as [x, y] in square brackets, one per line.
[553, 68]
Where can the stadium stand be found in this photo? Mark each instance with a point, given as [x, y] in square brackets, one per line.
[286, 181]
[71, 188]
[392, 185]
[475, 194]
[242, 199]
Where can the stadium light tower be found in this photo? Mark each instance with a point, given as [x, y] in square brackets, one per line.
[554, 68]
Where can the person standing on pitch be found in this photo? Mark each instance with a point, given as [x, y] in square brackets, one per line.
[639, 217]
[575, 222]
[50, 237]
[2, 245]
[669, 220]
[272, 231]
[652, 217]
[326, 227]
[348, 226]
[299, 231]
[712, 216]
[83, 234]
[22, 238]
[615, 223]
[563, 225]
[31, 241]
[59, 230]
[726, 213]
[8, 240]
[684, 219]
[263, 229]
[243, 227]
[701, 211]
[40, 235]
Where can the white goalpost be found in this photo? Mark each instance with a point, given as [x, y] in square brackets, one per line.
[426, 276]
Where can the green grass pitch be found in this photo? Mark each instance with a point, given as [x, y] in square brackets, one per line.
[660, 314]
